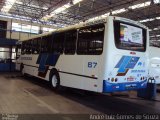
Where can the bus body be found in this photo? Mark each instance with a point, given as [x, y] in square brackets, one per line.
[154, 63]
[106, 55]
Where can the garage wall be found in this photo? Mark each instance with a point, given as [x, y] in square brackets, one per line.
[19, 35]
[15, 34]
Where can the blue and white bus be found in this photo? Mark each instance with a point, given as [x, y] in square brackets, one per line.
[105, 55]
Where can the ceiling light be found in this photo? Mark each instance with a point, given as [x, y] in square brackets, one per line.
[146, 20]
[31, 5]
[61, 9]
[139, 5]
[98, 17]
[156, 1]
[8, 5]
[155, 29]
[150, 19]
[158, 18]
[119, 11]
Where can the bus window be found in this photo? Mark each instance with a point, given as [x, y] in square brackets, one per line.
[23, 47]
[70, 42]
[28, 47]
[35, 46]
[58, 43]
[90, 40]
[18, 51]
[18, 48]
[129, 37]
[49, 39]
[46, 43]
[38, 44]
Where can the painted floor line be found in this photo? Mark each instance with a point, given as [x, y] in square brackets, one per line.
[41, 102]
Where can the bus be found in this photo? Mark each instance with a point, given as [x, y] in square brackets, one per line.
[105, 55]
[154, 64]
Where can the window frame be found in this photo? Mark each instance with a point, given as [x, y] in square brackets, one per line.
[54, 48]
[116, 37]
[48, 40]
[101, 25]
[74, 44]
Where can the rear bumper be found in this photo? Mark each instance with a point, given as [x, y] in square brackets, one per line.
[113, 87]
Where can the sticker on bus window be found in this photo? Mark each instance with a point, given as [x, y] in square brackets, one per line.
[130, 34]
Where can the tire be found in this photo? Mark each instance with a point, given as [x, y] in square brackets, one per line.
[54, 80]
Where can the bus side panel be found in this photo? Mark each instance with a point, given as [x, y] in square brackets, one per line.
[79, 71]
[31, 67]
[71, 70]
[78, 82]
[92, 68]
[102, 71]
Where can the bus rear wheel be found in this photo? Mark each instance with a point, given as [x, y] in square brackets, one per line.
[55, 80]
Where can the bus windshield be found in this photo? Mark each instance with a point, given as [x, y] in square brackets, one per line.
[129, 37]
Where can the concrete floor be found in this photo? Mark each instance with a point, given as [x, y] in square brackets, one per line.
[28, 95]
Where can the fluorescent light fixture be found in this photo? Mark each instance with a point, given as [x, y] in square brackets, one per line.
[156, 1]
[8, 5]
[98, 17]
[119, 11]
[155, 29]
[145, 4]
[60, 9]
[122, 10]
[155, 36]
[139, 5]
[146, 20]
[31, 5]
[158, 18]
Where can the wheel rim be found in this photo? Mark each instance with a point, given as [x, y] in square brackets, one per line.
[54, 81]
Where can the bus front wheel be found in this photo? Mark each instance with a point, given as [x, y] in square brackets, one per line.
[55, 80]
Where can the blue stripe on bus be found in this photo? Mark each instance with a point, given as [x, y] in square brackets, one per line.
[52, 59]
[42, 62]
[123, 64]
[132, 62]
[113, 87]
[126, 63]
[47, 59]
[119, 63]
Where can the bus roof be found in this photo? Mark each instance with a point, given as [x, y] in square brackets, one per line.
[87, 23]
[82, 24]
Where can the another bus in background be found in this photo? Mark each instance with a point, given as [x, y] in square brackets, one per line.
[154, 63]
